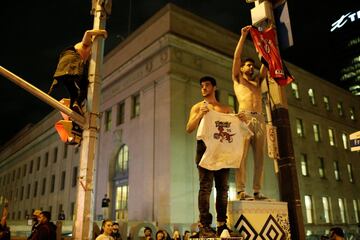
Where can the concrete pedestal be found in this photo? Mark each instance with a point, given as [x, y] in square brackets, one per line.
[259, 220]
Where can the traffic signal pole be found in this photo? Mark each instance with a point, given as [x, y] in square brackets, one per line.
[84, 209]
[42, 96]
[287, 175]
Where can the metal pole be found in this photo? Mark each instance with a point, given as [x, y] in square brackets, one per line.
[287, 175]
[42, 96]
[84, 210]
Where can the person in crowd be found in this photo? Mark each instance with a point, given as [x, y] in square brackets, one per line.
[35, 222]
[187, 235]
[160, 235]
[106, 230]
[176, 235]
[46, 230]
[4, 229]
[148, 233]
[105, 202]
[116, 231]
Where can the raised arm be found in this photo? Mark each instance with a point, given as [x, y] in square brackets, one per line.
[196, 114]
[238, 53]
[84, 46]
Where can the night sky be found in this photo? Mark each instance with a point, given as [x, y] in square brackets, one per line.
[33, 33]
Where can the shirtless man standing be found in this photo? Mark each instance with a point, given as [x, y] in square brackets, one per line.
[206, 177]
[247, 87]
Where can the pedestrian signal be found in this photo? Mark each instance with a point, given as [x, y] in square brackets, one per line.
[69, 132]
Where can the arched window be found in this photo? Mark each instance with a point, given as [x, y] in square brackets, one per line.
[122, 159]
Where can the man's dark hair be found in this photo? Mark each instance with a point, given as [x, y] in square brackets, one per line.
[208, 79]
[47, 214]
[336, 230]
[147, 228]
[115, 223]
[247, 60]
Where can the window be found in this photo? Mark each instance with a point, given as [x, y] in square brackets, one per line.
[356, 211]
[326, 103]
[295, 90]
[28, 191]
[35, 189]
[123, 159]
[135, 106]
[43, 189]
[299, 127]
[340, 109]
[321, 167]
[24, 170]
[38, 164]
[336, 171]
[311, 96]
[350, 173]
[304, 165]
[30, 167]
[46, 159]
[22, 193]
[74, 178]
[65, 151]
[72, 209]
[63, 175]
[316, 130]
[345, 140]
[309, 209]
[107, 120]
[232, 101]
[121, 202]
[326, 207]
[331, 136]
[342, 210]
[55, 154]
[19, 173]
[120, 113]
[52, 183]
[352, 113]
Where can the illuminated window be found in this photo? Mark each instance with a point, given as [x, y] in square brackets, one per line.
[340, 109]
[356, 211]
[120, 113]
[299, 127]
[321, 167]
[316, 130]
[232, 101]
[345, 141]
[107, 120]
[336, 171]
[295, 90]
[326, 103]
[311, 96]
[326, 207]
[350, 173]
[123, 159]
[342, 210]
[331, 136]
[121, 203]
[304, 165]
[308, 209]
[135, 105]
[352, 113]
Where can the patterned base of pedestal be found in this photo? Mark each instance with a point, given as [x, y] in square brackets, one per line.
[230, 238]
[260, 220]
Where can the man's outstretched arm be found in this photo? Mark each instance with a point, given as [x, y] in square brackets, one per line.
[238, 53]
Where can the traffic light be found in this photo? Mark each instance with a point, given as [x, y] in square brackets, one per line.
[69, 131]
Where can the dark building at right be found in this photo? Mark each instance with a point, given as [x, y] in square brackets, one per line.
[346, 36]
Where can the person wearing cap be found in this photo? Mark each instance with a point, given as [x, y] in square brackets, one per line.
[35, 222]
[336, 233]
[46, 230]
